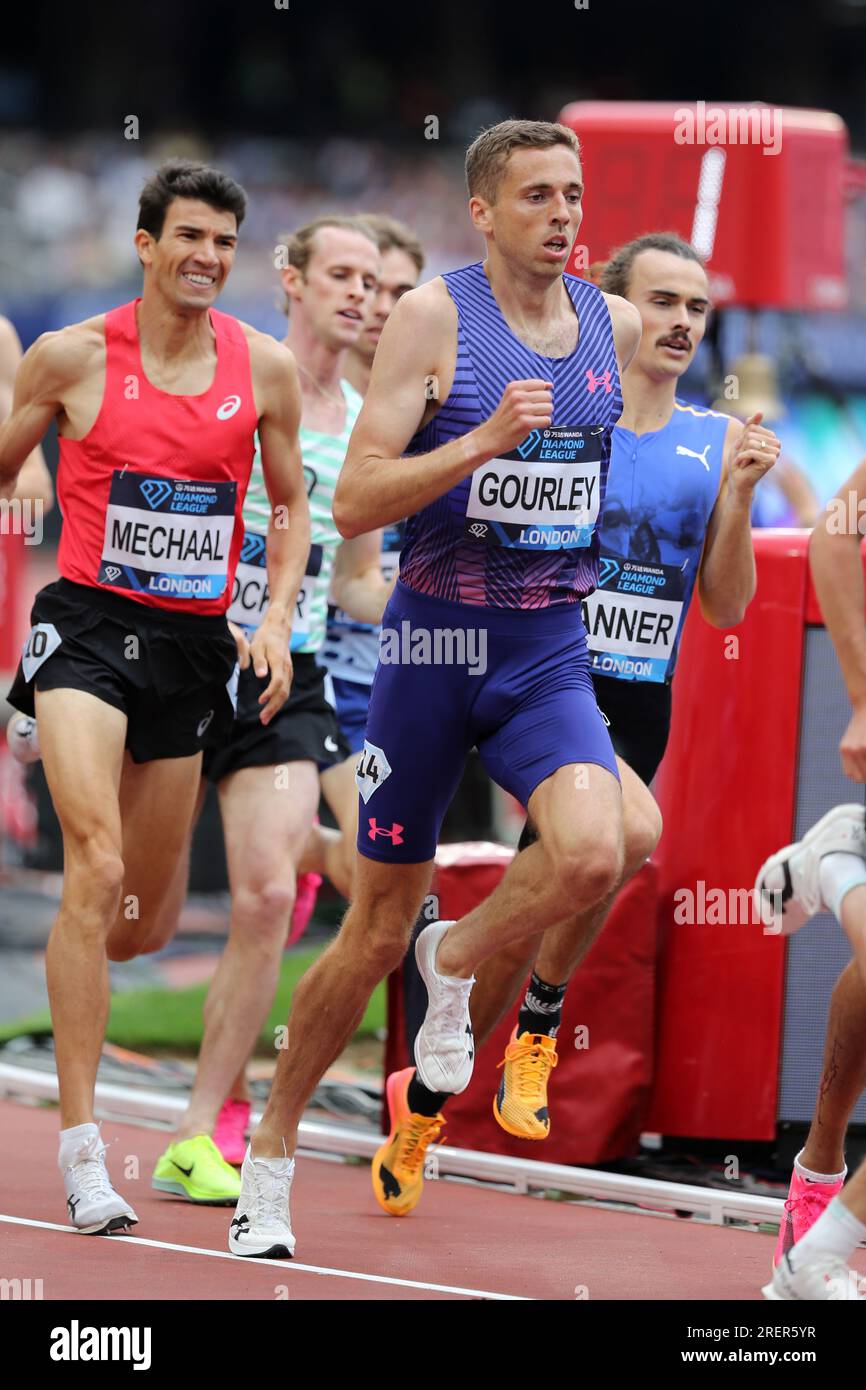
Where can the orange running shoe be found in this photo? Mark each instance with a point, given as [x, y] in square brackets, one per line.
[520, 1104]
[398, 1166]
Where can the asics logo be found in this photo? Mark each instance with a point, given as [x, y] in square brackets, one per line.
[690, 453]
[529, 443]
[230, 406]
[112, 573]
[592, 380]
[204, 723]
[156, 491]
[393, 834]
[331, 744]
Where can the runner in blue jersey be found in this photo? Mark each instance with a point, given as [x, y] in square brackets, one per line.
[351, 648]
[675, 519]
[501, 469]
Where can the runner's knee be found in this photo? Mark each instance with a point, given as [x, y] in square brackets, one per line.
[587, 873]
[95, 867]
[265, 909]
[643, 830]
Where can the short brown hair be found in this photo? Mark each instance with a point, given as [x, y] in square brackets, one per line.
[489, 153]
[299, 245]
[616, 275]
[392, 235]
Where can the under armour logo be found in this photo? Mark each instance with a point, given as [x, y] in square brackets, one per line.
[393, 834]
[156, 491]
[230, 406]
[240, 1224]
[72, 1203]
[690, 453]
[593, 381]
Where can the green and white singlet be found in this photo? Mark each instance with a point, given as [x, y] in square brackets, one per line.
[323, 456]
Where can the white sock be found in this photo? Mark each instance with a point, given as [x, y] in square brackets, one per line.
[72, 1139]
[818, 1177]
[837, 1231]
[838, 873]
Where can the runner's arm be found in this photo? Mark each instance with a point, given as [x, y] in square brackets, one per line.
[376, 486]
[627, 327]
[727, 579]
[34, 480]
[357, 584]
[288, 543]
[837, 573]
[46, 369]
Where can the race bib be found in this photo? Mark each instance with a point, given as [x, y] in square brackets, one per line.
[306, 595]
[544, 495]
[167, 537]
[43, 641]
[633, 617]
[251, 595]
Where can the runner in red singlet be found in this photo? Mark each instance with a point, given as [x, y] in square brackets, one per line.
[129, 660]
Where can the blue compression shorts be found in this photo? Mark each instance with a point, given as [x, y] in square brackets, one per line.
[515, 683]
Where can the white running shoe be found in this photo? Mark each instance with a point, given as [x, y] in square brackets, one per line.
[22, 737]
[261, 1226]
[787, 889]
[822, 1276]
[94, 1206]
[444, 1046]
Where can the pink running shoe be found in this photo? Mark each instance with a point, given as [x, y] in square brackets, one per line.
[306, 892]
[230, 1134]
[806, 1202]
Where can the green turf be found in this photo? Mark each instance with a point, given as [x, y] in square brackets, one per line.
[172, 1018]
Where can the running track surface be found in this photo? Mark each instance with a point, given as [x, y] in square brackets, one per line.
[461, 1242]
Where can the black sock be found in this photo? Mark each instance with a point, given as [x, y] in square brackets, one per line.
[541, 1010]
[528, 836]
[424, 1102]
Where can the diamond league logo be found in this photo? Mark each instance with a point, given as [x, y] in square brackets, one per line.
[607, 569]
[156, 491]
[529, 443]
[112, 573]
[252, 548]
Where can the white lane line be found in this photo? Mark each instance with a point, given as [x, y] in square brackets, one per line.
[287, 1266]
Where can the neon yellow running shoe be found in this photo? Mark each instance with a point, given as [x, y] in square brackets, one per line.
[195, 1169]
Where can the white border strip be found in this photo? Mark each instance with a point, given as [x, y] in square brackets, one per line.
[524, 1175]
[287, 1266]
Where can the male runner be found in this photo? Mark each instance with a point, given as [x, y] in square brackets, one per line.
[34, 480]
[676, 518]
[268, 778]
[505, 474]
[127, 664]
[351, 649]
[825, 1218]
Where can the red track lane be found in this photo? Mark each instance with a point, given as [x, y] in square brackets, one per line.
[461, 1237]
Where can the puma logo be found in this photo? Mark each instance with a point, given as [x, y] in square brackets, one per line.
[690, 453]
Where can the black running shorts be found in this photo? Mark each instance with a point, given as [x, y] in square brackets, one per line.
[304, 730]
[167, 672]
[639, 716]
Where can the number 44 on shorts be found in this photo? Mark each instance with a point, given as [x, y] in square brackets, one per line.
[372, 770]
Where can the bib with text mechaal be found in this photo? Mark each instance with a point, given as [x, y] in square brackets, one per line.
[167, 536]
